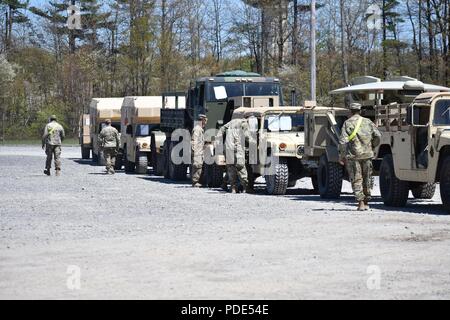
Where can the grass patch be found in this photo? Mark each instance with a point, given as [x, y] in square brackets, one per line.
[36, 142]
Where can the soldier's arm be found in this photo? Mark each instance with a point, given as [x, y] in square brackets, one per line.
[376, 136]
[344, 135]
[117, 140]
[45, 136]
[62, 133]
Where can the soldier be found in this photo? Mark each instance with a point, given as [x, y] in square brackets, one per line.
[236, 130]
[110, 143]
[359, 138]
[51, 142]
[198, 145]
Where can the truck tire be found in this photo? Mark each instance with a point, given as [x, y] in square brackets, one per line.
[330, 176]
[141, 163]
[157, 169]
[277, 184]
[129, 166]
[315, 184]
[394, 191]
[85, 153]
[101, 158]
[445, 184]
[94, 157]
[424, 191]
[176, 172]
[214, 176]
[119, 161]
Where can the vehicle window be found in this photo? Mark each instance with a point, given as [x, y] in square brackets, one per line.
[285, 123]
[421, 115]
[144, 130]
[442, 113]
[231, 89]
[262, 89]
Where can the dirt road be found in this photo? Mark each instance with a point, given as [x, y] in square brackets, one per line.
[86, 235]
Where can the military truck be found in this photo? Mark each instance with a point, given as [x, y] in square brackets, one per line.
[415, 149]
[280, 135]
[140, 119]
[100, 111]
[323, 125]
[85, 136]
[209, 95]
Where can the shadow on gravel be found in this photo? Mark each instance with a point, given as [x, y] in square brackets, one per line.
[165, 181]
[85, 162]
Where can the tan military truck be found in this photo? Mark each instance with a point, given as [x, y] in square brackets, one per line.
[101, 110]
[85, 136]
[140, 120]
[415, 149]
[280, 141]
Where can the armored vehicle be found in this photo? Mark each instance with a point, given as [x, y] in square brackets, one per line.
[209, 95]
[100, 111]
[415, 149]
[140, 119]
[279, 132]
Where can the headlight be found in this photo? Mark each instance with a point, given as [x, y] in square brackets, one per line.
[300, 150]
[144, 145]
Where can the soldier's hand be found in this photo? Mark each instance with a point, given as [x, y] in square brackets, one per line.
[342, 163]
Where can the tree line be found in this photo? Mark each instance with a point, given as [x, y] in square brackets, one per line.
[145, 47]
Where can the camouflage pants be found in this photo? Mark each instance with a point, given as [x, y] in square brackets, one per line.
[110, 158]
[53, 152]
[360, 173]
[197, 167]
[235, 172]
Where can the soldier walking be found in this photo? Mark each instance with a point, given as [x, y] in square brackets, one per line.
[236, 132]
[51, 142]
[198, 145]
[110, 143]
[359, 138]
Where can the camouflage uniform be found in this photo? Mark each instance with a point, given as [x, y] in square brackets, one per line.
[110, 142]
[51, 140]
[358, 153]
[198, 145]
[236, 132]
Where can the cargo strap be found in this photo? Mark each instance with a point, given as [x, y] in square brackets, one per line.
[357, 128]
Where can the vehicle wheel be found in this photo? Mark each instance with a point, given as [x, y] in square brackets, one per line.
[154, 155]
[277, 184]
[214, 176]
[445, 184]
[119, 161]
[94, 157]
[129, 166]
[176, 172]
[85, 153]
[101, 158]
[315, 184]
[166, 160]
[330, 177]
[393, 191]
[423, 191]
[141, 163]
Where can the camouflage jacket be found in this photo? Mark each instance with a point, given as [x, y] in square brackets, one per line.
[109, 138]
[53, 134]
[237, 133]
[361, 146]
[198, 143]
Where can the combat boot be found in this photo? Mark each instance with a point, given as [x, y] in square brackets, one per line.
[361, 206]
[224, 187]
[366, 205]
[47, 172]
[234, 190]
[58, 173]
[197, 185]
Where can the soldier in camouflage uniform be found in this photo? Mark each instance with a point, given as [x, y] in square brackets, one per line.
[237, 132]
[359, 138]
[110, 143]
[198, 145]
[51, 143]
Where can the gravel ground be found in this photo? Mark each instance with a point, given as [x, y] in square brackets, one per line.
[142, 237]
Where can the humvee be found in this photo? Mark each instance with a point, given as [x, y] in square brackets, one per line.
[209, 95]
[415, 149]
[100, 111]
[140, 119]
[280, 133]
[323, 125]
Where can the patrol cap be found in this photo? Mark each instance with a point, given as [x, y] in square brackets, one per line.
[202, 117]
[108, 121]
[53, 118]
[356, 106]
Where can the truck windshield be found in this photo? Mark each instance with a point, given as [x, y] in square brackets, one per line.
[215, 92]
[442, 113]
[144, 130]
[284, 123]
